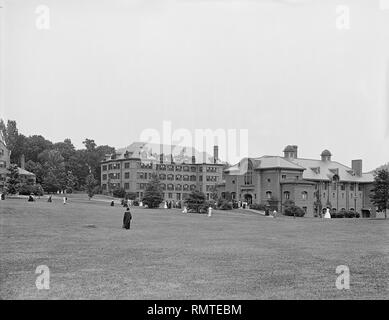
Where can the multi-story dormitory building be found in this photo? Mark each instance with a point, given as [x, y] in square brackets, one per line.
[132, 168]
[311, 183]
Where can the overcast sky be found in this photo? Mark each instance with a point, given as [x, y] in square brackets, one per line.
[108, 69]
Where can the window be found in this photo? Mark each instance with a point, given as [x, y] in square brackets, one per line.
[233, 195]
[170, 167]
[104, 177]
[192, 178]
[193, 187]
[193, 169]
[287, 195]
[186, 187]
[104, 186]
[163, 186]
[359, 187]
[178, 168]
[334, 186]
[170, 195]
[170, 186]
[186, 168]
[170, 177]
[105, 167]
[248, 178]
[178, 196]
[126, 186]
[351, 187]
[342, 187]
[126, 175]
[268, 194]
[283, 176]
[126, 165]
[162, 176]
[268, 180]
[178, 187]
[304, 195]
[186, 177]
[178, 177]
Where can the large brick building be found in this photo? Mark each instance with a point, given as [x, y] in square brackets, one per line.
[180, 170]
[313, 184]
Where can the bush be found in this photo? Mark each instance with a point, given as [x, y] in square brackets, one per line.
[224, 204]
[119, 193]
[28, 189]
[340, 214]
[294, 211]
[349, 214]
[259, 207]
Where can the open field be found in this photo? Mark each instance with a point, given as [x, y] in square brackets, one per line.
[170, 255]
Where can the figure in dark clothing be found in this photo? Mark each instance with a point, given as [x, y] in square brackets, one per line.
[49, 200]
[112, 203]
[127, 219]
[30, 198]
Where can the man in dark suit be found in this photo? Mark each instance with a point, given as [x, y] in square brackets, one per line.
[127, 219]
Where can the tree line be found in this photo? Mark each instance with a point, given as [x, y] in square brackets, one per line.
[57, 166]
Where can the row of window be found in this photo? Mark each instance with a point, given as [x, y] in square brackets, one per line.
[170, 186]
[162, 176]
[161, 167]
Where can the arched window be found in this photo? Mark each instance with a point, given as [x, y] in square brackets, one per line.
[304, 195]
[248, 177]
[286, 195]
[178, 187]
[268, 194]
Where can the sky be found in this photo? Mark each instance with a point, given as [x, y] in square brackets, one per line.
[287, 71]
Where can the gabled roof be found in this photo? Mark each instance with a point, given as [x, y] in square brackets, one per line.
[325, 170]
[261, 163]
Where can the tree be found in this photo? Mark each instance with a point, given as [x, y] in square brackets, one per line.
[380, 192]
[13, 140]
[13, 180]
[54, 167]
[37, 169]
[196, 201]
[71, 182]
[153, 195]
[90, 185]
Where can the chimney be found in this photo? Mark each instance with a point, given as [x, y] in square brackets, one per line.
[356, 165]
[193, 159]
[215, 154]
[22, 162]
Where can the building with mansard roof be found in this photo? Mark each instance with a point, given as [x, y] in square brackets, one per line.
[180, 170]
[313, 184]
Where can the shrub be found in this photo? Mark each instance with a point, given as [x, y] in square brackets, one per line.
[119, 193]
[27, 189]
[224, 204]
[340, 214]
[349, 214]
[294, 211]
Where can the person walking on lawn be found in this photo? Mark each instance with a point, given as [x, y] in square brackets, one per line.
[127, 219]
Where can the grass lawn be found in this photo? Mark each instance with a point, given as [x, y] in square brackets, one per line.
[170, 255]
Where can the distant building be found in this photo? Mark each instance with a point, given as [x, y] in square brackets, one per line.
[179, 169]
[4, 163]
[24, 175]
[313, 184]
